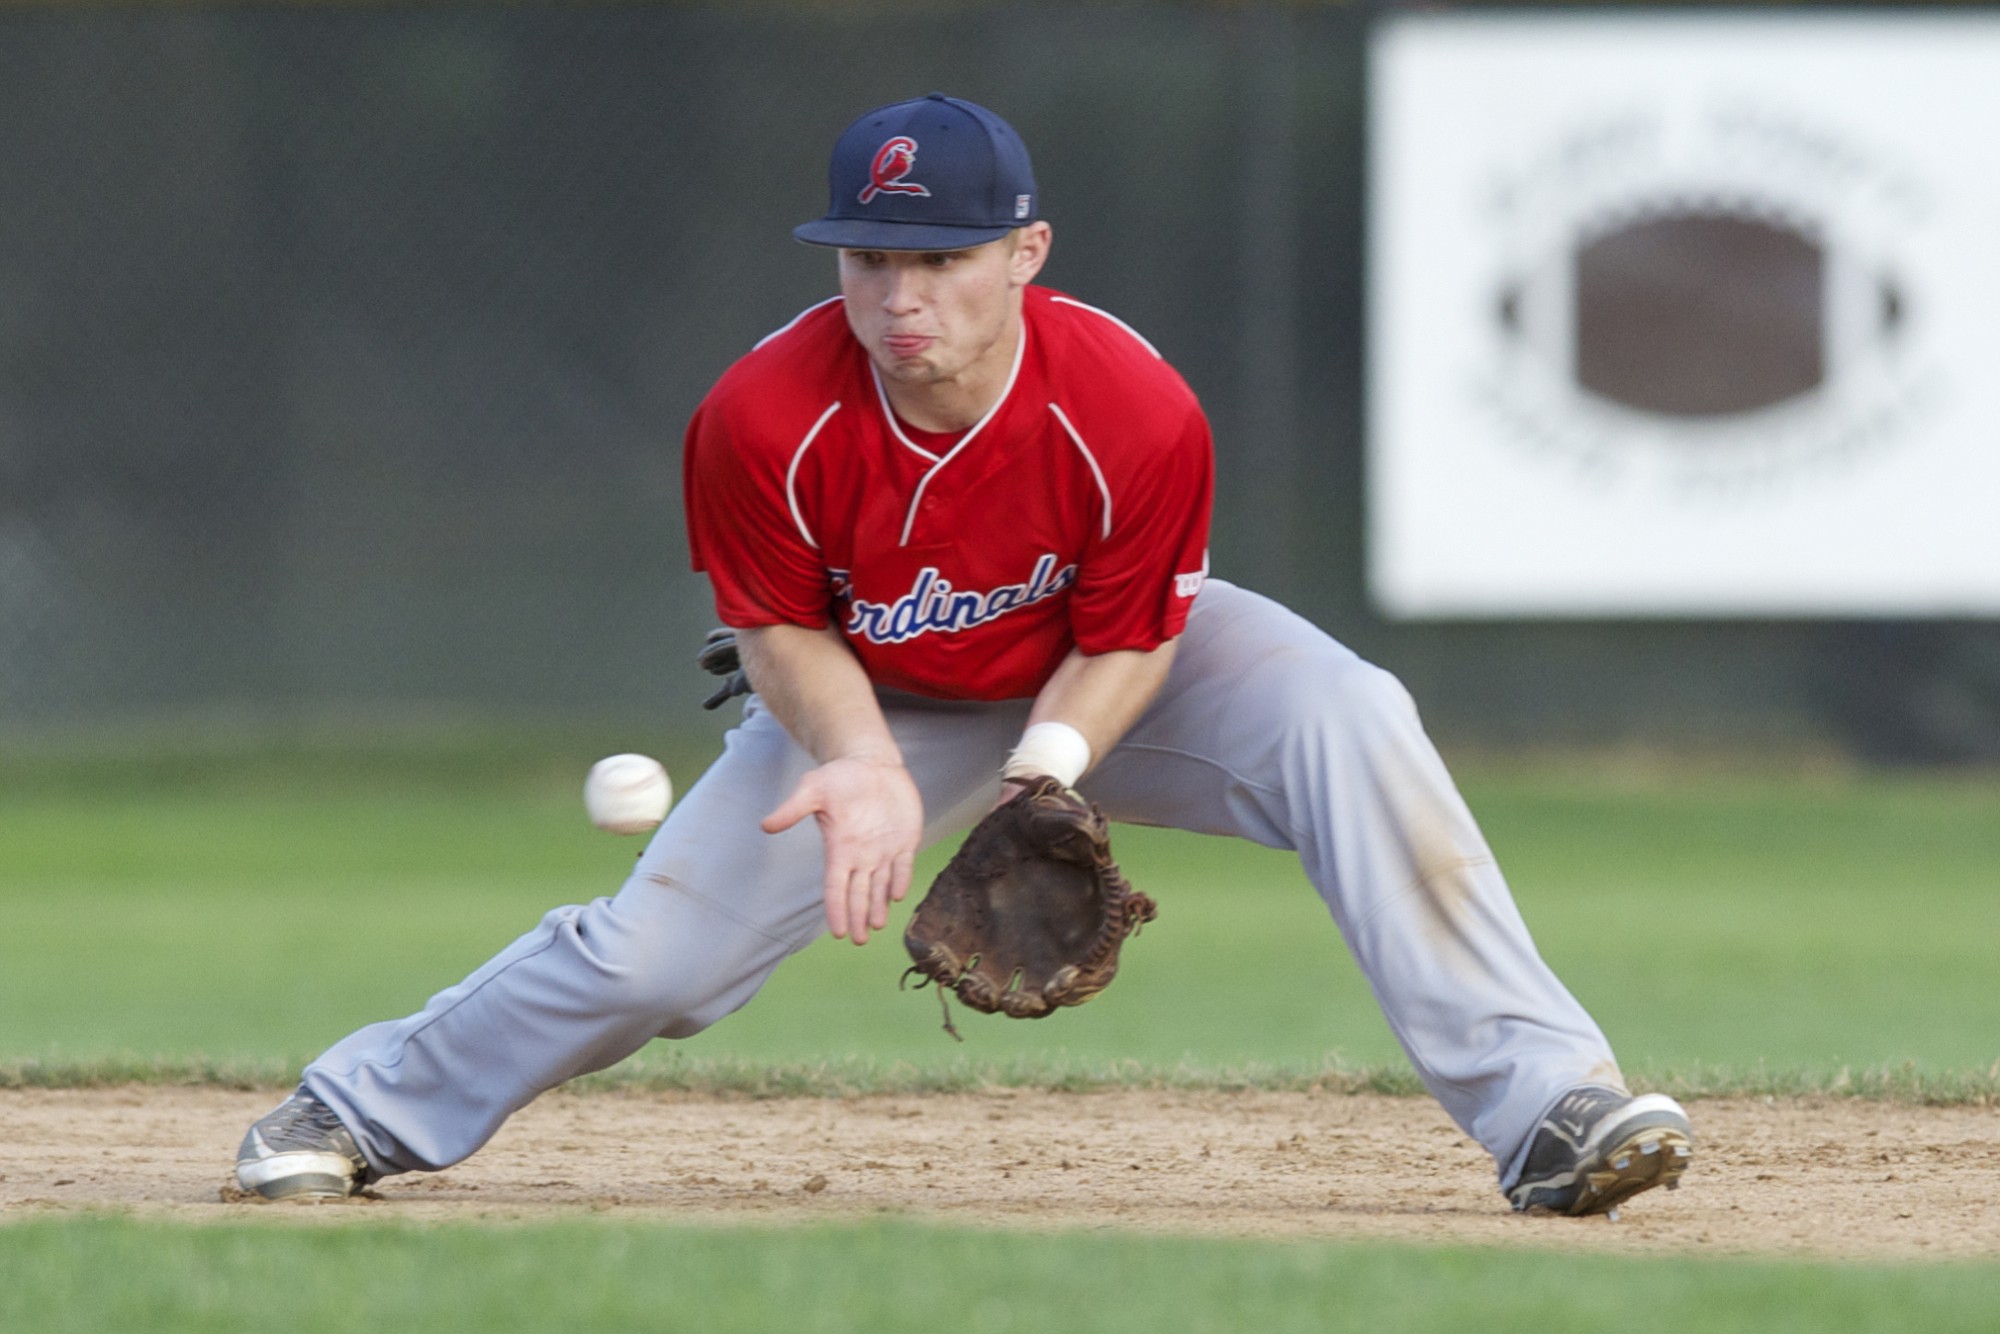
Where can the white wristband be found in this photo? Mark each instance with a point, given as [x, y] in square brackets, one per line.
[1055, 749]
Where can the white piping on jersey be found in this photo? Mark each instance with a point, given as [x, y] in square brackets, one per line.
[1091, 459]
[909, 521]
[895, 426]
[1070, 301]
[792, 473]
[794, 321]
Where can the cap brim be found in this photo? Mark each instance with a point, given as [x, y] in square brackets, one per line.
[865, 234]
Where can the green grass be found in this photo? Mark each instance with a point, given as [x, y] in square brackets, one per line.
[219, 912]
[1776, 923]
[234, 914]
[895, 1275]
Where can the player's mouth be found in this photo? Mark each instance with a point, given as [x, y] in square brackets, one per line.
[907, 345]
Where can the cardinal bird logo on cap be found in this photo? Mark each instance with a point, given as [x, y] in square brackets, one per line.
[892, 163]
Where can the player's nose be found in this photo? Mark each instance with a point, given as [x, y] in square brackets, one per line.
[903, 292]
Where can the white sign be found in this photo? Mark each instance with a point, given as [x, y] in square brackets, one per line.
[1689, 314]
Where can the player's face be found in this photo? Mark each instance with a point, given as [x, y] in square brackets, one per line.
[934, 317]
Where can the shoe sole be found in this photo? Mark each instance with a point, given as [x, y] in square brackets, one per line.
[1649, 1156]
[298, 1176]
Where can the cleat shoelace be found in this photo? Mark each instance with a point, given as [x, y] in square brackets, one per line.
[307, 1122]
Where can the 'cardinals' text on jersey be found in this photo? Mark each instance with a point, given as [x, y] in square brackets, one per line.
[966, 565]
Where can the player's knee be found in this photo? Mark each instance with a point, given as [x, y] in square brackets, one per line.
[684, 1010]
[1332, 688]
[633, 968]
[1374, 691]
[1338, 704]
[679, 1004]
[661, 1000]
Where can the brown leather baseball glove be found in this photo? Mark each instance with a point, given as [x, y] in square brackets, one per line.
[1032, 911]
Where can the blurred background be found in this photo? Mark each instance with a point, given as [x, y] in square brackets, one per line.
[345, 352]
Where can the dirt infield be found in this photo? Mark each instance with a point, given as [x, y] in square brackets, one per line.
[1812, 1178]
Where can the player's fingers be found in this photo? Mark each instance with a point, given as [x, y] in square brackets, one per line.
[803, 802]
[857, 906]
[878, 896]
[899, 876]
[835, 892]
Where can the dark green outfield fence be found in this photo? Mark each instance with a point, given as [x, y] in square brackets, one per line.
[344, 351]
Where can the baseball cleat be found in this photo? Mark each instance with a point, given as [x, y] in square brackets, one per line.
[301, 1151]
[1597, 1147]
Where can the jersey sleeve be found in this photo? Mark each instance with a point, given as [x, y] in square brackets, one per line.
[742, 531]
[1135, 586]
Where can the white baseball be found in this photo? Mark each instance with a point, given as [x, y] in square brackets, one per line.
[627, 794]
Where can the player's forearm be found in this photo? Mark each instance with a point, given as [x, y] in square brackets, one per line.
[814, 685]
[1102, 695]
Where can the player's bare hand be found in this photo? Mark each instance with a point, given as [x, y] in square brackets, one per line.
[872, 820]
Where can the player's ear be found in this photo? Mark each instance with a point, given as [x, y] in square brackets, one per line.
[1031, 251]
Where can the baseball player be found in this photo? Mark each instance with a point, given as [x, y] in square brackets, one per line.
[958, 522]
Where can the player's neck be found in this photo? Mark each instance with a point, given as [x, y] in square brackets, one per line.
[958, 402]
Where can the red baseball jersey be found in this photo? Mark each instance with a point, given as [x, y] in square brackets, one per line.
[964, 565]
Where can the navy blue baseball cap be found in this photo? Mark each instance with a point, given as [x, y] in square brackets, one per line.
[936, 173]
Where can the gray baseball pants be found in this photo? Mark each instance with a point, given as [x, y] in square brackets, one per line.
[1267, 729]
